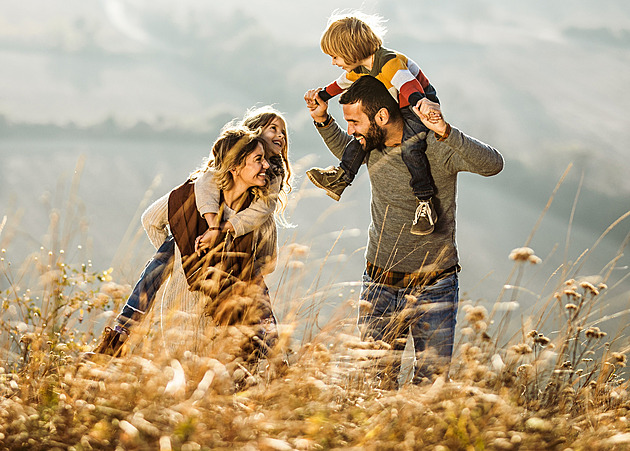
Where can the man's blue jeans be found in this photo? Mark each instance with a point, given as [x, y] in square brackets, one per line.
[154, 275]
[390, 313]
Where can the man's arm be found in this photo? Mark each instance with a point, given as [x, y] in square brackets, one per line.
[334, 137]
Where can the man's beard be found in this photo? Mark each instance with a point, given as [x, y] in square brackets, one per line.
[375, 137]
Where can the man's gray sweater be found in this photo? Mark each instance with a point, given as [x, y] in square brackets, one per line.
[391, 246]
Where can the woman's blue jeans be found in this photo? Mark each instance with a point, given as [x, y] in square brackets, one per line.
[429, 313]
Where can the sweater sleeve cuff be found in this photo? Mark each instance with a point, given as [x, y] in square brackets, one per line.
[239, 228]
[446, 134]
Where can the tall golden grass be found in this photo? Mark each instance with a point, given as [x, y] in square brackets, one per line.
[555, 383]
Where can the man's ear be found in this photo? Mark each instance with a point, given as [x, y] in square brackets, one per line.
[382, 117]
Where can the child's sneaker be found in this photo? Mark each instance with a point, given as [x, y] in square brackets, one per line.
[425, 218]
[331, 180]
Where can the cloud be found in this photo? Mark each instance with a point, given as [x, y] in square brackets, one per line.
[120, 17]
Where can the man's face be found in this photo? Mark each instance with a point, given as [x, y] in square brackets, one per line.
[364, 129]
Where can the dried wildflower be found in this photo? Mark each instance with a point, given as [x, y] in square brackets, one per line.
[571, 307]
[295, 264]
[521, 254]
[28, 338]
[526, 370]
[297, 250]
[570, 282]
[470, 351]
[619, 358]
[542, 340]
[466, 331]
[587, 286]
[365, 306]
[522, 349]
[532, 334]
[570, 292]
[474, 314]
[594, 332]
[115, 290]
[602, 286]
[480, 326]
[534, 260]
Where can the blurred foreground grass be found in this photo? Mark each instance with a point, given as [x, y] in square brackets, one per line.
[505, 390]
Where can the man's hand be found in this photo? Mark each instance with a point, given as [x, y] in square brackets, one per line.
[206, 241]
[430, 114]
[316, 106]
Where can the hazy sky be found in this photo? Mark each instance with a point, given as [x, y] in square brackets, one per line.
[544, 82]
[81, 61]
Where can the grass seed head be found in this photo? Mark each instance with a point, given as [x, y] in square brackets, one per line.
[587, 286]
[522, 349]
[619, 359]
[521, 254]
[594, 333]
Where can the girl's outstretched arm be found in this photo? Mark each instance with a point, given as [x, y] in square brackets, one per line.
[251, 218]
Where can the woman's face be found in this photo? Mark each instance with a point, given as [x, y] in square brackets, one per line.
[254, 170]
[275, 135]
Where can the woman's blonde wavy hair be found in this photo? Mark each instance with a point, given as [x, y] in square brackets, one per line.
[229, 151]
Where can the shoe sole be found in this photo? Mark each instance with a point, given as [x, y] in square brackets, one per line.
[421, 233]
[319, 185]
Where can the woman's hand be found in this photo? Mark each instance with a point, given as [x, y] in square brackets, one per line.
[207, 240]
[316, 106]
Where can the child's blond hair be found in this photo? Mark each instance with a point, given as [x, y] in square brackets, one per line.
[353, 36]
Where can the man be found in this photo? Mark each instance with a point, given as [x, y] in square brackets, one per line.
[410, 282]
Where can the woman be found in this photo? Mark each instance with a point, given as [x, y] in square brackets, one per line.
[223, 285]
[273, 131]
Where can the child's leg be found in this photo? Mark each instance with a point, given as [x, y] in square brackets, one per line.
[335, 179]
[413, 152]
[352, 159]
[155, 273]
[414, 155]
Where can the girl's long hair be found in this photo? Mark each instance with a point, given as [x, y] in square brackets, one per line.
[256, 119]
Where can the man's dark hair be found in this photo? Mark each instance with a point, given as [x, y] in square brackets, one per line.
[373, 96]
